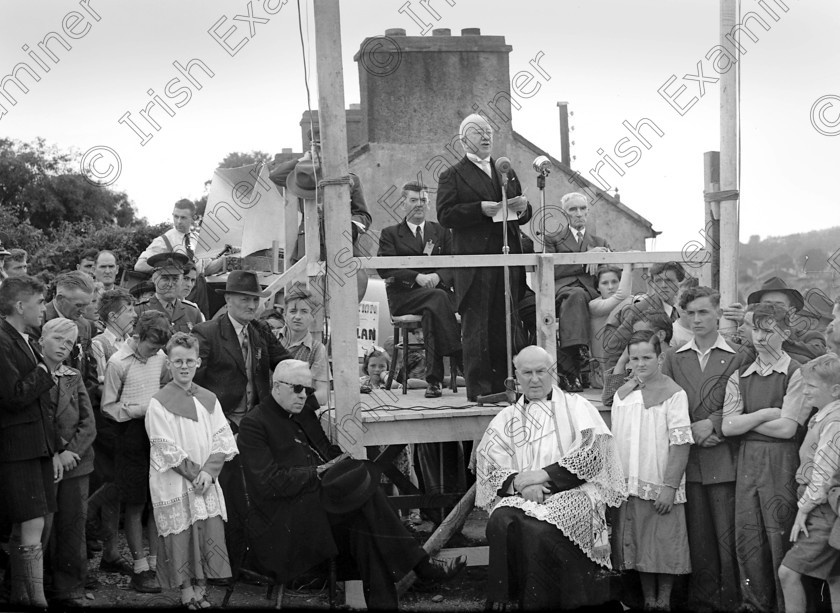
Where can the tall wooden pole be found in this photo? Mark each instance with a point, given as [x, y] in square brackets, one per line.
[341, 298]
[729, 161]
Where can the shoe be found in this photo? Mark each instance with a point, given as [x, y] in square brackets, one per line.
[120, 565]
[584, 380]
[73, 602]
[433, 390]
[434, 570]
[563, 382]
[145, 582]
[94, 545]
[582, 354]
[575, 386]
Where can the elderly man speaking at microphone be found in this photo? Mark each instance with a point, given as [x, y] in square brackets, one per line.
[469, 201]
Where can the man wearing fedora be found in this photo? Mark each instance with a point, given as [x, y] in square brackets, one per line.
[167, 277]
[776, 291]
[238, 353]
[310, 502]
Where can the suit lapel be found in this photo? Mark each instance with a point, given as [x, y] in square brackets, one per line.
[478, 181]
[63, 395]
[408, 239]
[231, 343]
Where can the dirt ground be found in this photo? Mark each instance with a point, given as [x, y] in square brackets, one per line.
[464, 593]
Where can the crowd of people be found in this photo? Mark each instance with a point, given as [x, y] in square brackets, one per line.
[201, 430]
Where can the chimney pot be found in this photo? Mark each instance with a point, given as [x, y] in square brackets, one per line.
[355, 105]
[395, 32]
[286, 150]
[441, 32]
[471, 32]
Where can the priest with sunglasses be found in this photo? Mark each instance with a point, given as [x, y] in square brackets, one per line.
[310, 502]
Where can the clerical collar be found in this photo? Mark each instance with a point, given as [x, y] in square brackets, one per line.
[546, 399]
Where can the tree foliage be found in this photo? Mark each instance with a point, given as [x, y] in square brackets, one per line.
[42, 184]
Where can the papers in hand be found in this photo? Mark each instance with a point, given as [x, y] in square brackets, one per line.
[512, 215]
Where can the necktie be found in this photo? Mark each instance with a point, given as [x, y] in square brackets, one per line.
[246, 347]
[420, 239]
[246, 356]
[188, 246]
[578, 237]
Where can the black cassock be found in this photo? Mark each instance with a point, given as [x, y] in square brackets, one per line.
[289, 530]
[534, 563]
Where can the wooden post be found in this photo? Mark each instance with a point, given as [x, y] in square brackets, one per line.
[340, 298]
[710, 271]
[546, 321]
[291, 219]
[729, 147]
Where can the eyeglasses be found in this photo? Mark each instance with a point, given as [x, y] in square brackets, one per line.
[181, 363]
[297, 388]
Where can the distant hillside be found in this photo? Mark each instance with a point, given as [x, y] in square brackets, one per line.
[805, 261]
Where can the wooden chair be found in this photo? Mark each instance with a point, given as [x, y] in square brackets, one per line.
[407, 324]
[272, 584]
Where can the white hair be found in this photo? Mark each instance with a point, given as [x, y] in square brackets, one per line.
[572, 196]
[534, 350]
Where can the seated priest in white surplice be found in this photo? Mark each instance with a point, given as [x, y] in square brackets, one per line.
[547, 468]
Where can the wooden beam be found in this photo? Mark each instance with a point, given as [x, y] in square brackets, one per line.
[710, 271]
[452, 524]
[293, 273]
[729, 150]
[546, 320]
[341, 284]
[526, 259]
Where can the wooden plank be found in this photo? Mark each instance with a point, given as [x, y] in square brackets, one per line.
[546, 320]
[341, 286]
[449, 526]
[523, 259]
[426, 430]
[297, 271]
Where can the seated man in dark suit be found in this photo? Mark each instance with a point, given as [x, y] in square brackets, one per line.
[302, 515]
[575, 285]
[426, 291]
[238, 353]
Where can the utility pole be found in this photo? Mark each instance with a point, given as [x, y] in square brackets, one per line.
[729, 162]
[341, 297]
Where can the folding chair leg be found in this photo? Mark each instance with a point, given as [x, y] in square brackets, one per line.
[393, 368]
[279, 604]
[405, 362]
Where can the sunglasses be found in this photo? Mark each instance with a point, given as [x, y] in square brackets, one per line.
[297, 388]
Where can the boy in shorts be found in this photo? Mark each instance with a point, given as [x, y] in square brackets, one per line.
[811, 554]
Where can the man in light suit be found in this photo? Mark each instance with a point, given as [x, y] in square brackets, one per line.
[469, 196]
[702, 367]
[426, 291]
[575, 285]
[238, 354]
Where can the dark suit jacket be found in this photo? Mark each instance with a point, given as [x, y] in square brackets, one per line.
[26, 423]
[289, 529]
[566, 274]
[461, 190]
[706, 390]
[222, 369]
[74, 420]
[184, 317]
[398, 240]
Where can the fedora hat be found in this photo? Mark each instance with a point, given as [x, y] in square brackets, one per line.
[346, 486]
[243, 282]
[775, 284]
[302, 180]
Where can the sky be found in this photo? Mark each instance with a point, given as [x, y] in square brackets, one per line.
[607, 58]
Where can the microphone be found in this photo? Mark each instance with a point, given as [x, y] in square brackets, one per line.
[542, 165]
[503, 166]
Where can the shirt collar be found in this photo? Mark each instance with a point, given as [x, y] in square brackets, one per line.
[526, 402]
[780, 365]
[472, 157]
[831, 407]
[413, 227]
[720, 343]
[63, 371]
[306, 341]
[236, 325]
[581, 232]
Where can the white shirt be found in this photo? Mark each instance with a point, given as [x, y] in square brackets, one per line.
[176, 239]
[413, 227]
[238, 327]
[483, 163]
[703, 356]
